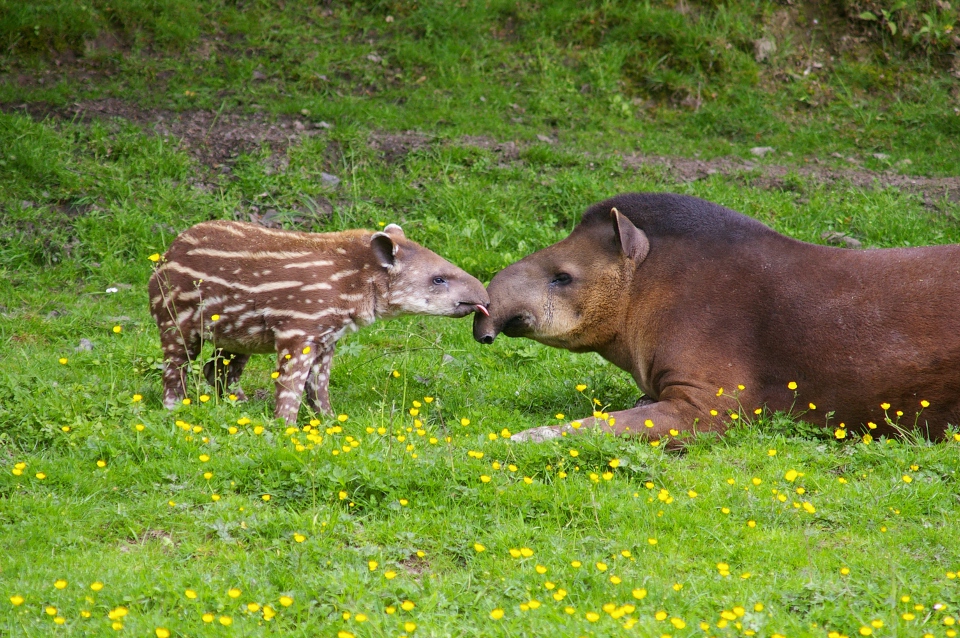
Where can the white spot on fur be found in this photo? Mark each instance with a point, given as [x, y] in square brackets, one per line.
[320, 263]
[343, 273]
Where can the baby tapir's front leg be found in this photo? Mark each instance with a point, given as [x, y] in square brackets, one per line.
[318, 382]
[294, 359]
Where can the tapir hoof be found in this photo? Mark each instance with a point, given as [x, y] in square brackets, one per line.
[539, 435]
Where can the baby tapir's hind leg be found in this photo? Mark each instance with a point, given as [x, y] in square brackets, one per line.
[178, 351]
[224, 370]
[294, 359]
[318, 382]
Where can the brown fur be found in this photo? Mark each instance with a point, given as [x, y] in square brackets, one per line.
[292, 293]
[720, 300]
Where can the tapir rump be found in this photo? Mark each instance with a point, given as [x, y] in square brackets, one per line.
[696, 301]
[249, 290]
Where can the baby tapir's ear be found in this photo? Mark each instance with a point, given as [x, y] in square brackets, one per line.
[393, 230]
[384, 248]
[633, 241]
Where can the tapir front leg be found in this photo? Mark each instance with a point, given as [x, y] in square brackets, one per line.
[318, 381]
[293, 365]
[672, 418]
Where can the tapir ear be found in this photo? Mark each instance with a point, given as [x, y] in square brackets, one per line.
[384, 249]
[633, 241]
[394, 230]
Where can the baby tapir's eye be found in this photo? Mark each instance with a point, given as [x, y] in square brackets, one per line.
[561, 279]
[439, 281]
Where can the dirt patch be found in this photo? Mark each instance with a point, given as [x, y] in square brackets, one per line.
[212, 138]
[773, 176]
[394, 147]
[215, 139]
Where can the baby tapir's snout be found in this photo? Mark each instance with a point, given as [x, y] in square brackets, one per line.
[249, 290]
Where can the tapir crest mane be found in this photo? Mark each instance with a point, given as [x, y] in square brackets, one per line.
[668, 214]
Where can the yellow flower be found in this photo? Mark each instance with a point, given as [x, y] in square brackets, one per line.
[265, 497]
[560, 415]
[137, 398]
[907, 478]
[574, 453]
[792, 385]
[234, 592]
[275, 375]
[581, 387]
[40, 475]
[602, 567]
[299, 538]
[118, 329]
[660, 615]
[593, 616]
[496, 614]
[117, 613]
[409, 627]
[372, 565]
[190, 594]
[390, 575]
[208, 617]
[924, 403]
[540, 569]
[16, 600]
[162, 632]
[840, 433]
[342, 418]
[63, 361]
[155, 257]
[226, 621]
[885, 406]
[479, 548]
[845, 570]
[407, 605]
[101, 463]
[60, 584]
[204, 398]
[464, 422]
[286, 601]
[639, 594]
[428, 399]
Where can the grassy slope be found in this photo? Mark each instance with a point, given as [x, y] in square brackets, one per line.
[146, 524]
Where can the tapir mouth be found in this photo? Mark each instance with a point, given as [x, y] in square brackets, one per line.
[516, 326]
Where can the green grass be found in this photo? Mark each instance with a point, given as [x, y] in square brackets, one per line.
[83, 203]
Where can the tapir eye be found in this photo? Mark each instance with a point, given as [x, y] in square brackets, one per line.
[439, 281]
[561, 279]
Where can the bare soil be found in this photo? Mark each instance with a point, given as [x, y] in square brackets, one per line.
[215, 139]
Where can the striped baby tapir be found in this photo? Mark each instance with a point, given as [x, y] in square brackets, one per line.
[248, 289]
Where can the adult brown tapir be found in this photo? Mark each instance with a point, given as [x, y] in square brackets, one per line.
[690, 298]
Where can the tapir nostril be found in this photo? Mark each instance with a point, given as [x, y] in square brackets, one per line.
[487, 339]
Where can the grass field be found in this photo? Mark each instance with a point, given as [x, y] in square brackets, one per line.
[485, 129]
